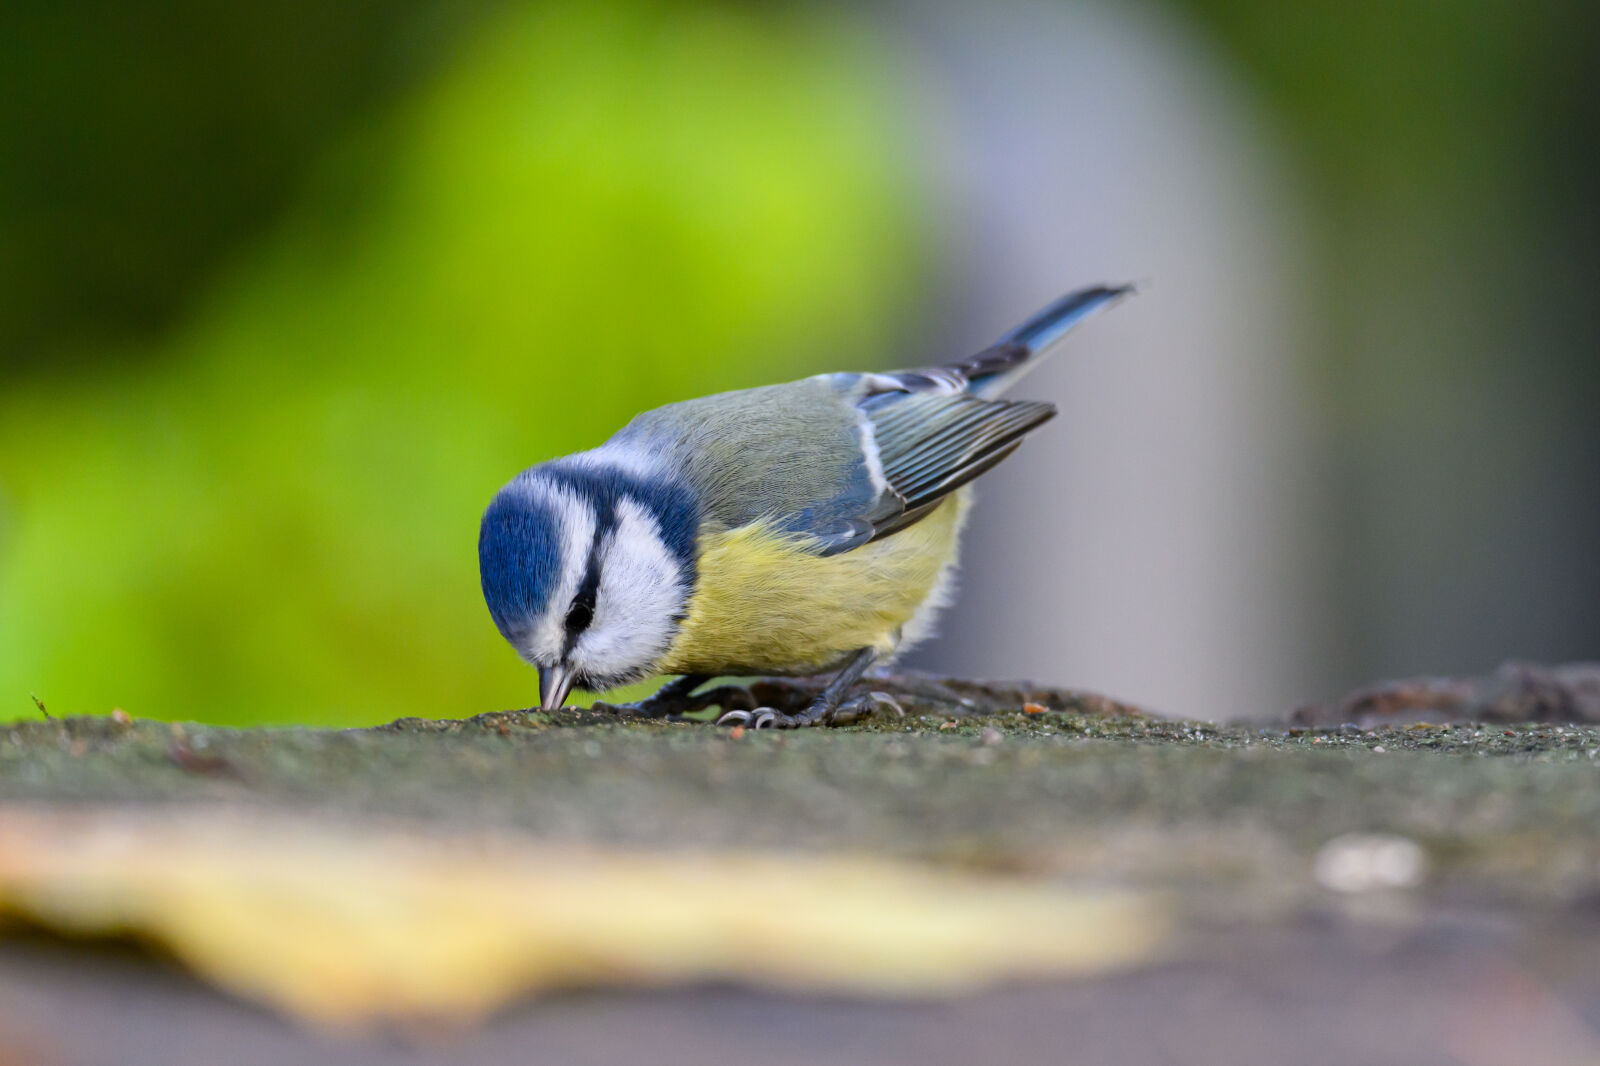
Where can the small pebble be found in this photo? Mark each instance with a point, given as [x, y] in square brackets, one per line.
[990, 736]
[1361, 862]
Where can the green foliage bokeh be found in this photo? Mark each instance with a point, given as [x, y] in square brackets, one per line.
[589, 211]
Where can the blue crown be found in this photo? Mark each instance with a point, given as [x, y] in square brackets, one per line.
[519, 558]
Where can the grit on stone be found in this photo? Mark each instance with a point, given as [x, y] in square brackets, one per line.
[1422, 893]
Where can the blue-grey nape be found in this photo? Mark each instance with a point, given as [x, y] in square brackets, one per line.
[519, 558]
[667, 501]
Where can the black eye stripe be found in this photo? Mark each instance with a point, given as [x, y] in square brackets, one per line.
[673, 507]
[581, 612]
[605, 499]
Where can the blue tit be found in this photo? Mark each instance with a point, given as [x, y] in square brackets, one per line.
[791, 529]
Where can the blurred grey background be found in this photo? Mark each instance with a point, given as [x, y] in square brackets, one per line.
[1156, 541]
[1348, 430]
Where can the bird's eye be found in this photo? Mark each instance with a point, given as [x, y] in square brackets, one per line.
[580, 614]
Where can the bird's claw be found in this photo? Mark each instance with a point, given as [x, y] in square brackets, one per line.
[883, 699]
[817, 714]
[761, 718]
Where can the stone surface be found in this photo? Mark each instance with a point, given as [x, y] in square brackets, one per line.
[1280, 845]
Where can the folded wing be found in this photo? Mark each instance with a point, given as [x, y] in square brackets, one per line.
[930, 443]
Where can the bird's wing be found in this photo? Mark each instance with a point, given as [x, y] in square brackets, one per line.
[928, 432]
[846, 459]
[839, 460]
[929, 441]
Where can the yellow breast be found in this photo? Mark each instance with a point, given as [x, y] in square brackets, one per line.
[764, 605]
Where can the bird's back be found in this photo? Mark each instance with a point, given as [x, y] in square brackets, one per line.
[829, 509]
[790, 452]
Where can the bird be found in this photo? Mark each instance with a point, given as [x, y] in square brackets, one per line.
[797, 529]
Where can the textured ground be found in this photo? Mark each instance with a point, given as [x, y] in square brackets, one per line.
[1365, 893]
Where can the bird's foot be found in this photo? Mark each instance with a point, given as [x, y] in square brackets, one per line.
[649, 708]
[820, 712]
[669, 701]
[637, 709]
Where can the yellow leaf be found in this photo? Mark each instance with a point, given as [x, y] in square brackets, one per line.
[350, 924]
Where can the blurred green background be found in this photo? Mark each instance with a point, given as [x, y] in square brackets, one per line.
[250, 420]
[287, 291]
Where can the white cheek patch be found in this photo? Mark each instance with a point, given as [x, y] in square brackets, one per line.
[576, 518]
[641, 593]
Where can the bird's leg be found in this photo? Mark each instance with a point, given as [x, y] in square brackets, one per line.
[671, 698]
[827, 708]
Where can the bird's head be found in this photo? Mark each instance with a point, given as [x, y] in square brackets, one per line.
[587, 570]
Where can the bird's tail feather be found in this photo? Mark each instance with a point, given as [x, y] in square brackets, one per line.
[996, 368]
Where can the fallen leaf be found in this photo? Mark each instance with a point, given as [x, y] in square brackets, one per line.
[347, 924]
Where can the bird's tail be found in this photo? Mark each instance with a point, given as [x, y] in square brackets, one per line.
[996, 368]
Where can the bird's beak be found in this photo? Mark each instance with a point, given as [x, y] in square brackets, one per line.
[554, 684]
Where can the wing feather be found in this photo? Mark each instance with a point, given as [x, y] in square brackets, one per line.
[931, 443]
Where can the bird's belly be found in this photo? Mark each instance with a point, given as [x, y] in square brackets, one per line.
[763, 605]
